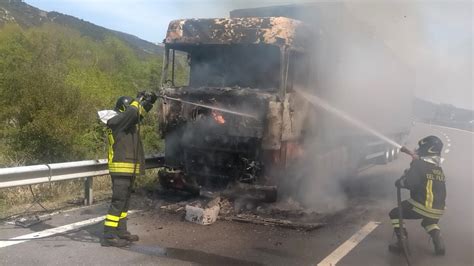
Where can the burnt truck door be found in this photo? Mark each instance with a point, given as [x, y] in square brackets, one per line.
[295, 109]
[164, 72]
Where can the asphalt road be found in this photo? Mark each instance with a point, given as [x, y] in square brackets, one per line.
[168, 240]
[457, 224]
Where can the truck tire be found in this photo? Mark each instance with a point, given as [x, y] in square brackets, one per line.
[393, 154]
[385, 158]
[397, 152]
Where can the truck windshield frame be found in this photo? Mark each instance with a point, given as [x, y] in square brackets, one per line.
[255, 66]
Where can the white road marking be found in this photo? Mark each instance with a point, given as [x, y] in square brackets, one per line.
[446, 151]
[449, 144]
[347, 246]
[63, 212]
[53, 231]
[49, 232]
[450, 128]
[71, 210]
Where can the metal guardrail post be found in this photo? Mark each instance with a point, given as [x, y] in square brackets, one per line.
[88, 191]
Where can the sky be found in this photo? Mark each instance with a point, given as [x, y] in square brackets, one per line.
[147, 19]
[436, 38]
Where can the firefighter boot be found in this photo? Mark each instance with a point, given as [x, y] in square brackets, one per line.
[111, 239]
[123, 233]
[438, 243]
[397, 246]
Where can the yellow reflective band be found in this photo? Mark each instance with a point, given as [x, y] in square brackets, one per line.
[123, 165]
[111, 224]
[431, 227]
[429, 194]
[123, 215]
[110, 136]
[141, 111]
[140, 108]
[112, 217]
[429, 210]
[124, 168]
[426, 214]
[432, 195]
[395, 223]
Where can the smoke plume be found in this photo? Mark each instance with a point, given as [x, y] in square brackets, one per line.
[370, 59]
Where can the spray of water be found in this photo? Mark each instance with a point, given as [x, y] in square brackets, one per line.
[212, 107]
[342, 115]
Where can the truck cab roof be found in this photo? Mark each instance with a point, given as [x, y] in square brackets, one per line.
[277, 31]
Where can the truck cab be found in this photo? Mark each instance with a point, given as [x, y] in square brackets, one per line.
[236, 117]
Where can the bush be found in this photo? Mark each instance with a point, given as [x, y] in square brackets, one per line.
[52, 83]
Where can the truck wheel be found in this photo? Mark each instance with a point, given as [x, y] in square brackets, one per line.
[397, 152]
[393, 153]
[385, 158]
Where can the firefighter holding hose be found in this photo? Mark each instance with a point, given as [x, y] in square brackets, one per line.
[125, 161]
[426, 181]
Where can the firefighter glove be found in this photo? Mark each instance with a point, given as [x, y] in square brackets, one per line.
[146, 105]
[147, 99]
[400, 183]
[151, 97]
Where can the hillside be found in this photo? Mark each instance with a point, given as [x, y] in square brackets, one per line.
[19, 12]
[444, 114]
[56, 71]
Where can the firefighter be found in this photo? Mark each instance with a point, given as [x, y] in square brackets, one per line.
[426, 181]
[126, 161]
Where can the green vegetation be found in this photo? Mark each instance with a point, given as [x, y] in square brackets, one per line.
[53, 80]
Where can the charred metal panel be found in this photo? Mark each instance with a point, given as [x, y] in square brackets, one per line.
[277, 31]
[207, 144]
[272, 137]
[295, 111]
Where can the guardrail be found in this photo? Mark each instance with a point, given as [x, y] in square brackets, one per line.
[44, 173]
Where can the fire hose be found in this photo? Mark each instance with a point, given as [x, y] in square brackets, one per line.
[224, 110]
[403, 235]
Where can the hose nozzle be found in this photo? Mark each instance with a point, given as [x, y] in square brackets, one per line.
[409, 152]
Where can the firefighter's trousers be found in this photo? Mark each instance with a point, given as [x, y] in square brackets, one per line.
[429, 224]
[117, 215]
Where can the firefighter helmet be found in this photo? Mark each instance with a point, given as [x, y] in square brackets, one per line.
[122, 103]
[429, 146]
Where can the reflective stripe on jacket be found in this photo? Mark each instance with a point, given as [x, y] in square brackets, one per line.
[126, 156]
[426, 182]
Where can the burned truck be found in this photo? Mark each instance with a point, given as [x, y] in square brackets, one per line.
[235, 120]
[236, 117]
